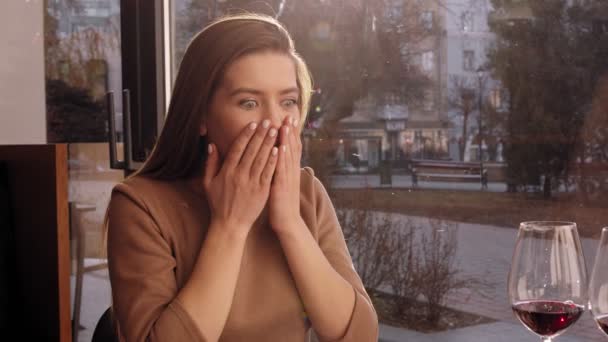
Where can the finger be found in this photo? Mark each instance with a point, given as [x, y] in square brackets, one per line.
[284, 134]
[211, 166]
[295, 146]
[263, 154]
[238, 145]
[270, 167]
[285, 146]
[280, 174]
[253, 147]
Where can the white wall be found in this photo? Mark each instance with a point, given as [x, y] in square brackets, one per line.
[22, 95]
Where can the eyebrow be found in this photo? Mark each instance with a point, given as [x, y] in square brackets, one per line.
[258, 92]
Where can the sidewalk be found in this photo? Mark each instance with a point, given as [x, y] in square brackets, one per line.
[495, 332]
[484, 252]
[405, 182]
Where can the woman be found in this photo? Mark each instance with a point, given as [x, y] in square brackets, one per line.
[221, 235]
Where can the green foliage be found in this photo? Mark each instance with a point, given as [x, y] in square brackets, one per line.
[547, 57]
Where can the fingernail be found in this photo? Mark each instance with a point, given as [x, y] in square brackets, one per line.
[253, 125]
[265, 123]
[275, 151]
[284, 148]
[295, 122]
[210, 148]
[287, 130]
[291, 121]
[272, 132]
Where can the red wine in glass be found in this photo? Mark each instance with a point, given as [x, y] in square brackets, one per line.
[547, 318]
[548, 278]
[602, 322]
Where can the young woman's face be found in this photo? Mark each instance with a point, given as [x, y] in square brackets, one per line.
[256, 87]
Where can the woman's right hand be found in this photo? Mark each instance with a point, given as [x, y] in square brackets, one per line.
[238, 189]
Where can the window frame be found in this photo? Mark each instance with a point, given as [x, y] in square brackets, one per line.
[143, 73]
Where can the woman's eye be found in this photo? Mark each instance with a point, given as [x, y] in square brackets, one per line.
[248, 104]
[290, 103]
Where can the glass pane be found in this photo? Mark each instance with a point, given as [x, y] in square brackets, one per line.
[83, 63]
[440, 126]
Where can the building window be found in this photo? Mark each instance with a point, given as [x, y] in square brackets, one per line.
[428, 100]
[466, 21]
[600, 26]
[498, 98]
[468, 60]
[428, 61]
[426, 20]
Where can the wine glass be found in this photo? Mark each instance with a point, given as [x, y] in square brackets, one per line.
[548, 277]
[598, 285]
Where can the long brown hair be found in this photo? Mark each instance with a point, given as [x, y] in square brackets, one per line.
[180, 150]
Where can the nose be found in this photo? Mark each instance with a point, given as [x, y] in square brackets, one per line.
[275, 114]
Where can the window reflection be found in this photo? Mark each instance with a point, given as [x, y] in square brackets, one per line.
[83, 63]
[459, 116]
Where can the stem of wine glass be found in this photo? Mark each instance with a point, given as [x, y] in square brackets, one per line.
[546, 339]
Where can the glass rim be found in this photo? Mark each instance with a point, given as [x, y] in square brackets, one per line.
[546, 225]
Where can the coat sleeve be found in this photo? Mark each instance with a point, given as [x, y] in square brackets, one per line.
[141, 266]
[363, 325]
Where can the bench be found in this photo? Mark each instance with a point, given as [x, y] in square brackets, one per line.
[449, 177]
[446, 171]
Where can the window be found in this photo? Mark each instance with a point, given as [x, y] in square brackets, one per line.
[448, 137]
[394, 9]
[468, 60]
[466, 21]
[498, 98]
[429, 101]
[426, 20]
[600, 27]
[82, 62]
[428, 62]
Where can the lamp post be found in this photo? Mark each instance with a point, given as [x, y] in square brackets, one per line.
[480, 74]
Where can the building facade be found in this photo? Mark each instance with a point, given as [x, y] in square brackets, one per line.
[469, 85]
[395, 128]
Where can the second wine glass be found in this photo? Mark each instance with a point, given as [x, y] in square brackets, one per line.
[548, 277]
[598, 285]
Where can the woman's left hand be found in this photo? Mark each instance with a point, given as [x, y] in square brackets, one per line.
[284, 202]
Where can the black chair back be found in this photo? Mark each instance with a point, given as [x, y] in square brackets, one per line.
[105, 330]
[8, 273]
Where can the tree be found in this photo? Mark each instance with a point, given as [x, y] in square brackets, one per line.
[355, 50]
[545, 61]
[74, 57]
[76, 72]
[592, 166]
[461, 99]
